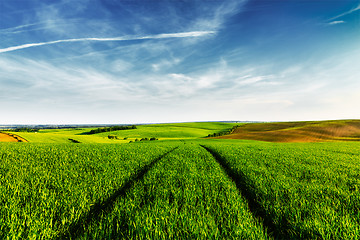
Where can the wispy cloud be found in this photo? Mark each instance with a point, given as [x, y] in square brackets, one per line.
[12, 29]
[219, 15]
[165, 64]
[346, 13]
[225, 87]
[172, 70]
[157, 36]
[336, 22]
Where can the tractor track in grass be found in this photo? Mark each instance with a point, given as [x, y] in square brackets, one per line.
[254, 207]
[76, 229]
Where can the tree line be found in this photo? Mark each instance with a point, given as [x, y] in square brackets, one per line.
[110, 129]
[25, 129]
[226, 132]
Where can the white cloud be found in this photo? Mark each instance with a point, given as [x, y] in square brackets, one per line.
[217, 17]
[226, 92]
[127, 38]
[120, 65]
[357, 8]
[40, 81]
[252, 80]
[144, 76]
[18, 28]
[336, 22]
[163, 65]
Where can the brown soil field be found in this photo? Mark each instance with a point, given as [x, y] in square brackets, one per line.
[314, 131]
[7, 138]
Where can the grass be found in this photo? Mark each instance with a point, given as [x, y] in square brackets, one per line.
[310, 131]
[63, 136]
[44, 188]
[195, 187]
[185, 196]
[160, 131]
[305, 190]
[172, 131]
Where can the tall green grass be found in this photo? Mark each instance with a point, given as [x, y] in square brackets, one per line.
[306, 190]
[44, 188]
[185, 196]
[230, 189]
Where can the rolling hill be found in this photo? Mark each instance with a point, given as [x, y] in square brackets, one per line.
[169, 131]
[309, 131]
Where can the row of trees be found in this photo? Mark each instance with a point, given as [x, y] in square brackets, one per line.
[110, 129]
[145, 139]
[25, 129]
[218, 134]
[115, 137]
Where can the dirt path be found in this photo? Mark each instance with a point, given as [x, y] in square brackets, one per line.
[9, 137]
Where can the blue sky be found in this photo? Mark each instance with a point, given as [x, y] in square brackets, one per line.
[112, 61]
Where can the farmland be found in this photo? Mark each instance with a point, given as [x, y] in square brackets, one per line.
[300, 190]
[46, 187]
[170, 131]
[6, 138]
[183, 186]
[310, 131]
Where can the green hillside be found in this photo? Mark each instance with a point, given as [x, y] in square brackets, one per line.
[159, 131]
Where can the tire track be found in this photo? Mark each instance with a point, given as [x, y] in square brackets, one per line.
[76, 229]
[255, 208]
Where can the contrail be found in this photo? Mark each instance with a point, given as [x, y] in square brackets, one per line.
[157, 36]
[346, 13]
[336, 22]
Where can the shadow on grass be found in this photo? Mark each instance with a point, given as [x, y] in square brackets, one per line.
[255, 208]
[76, 229]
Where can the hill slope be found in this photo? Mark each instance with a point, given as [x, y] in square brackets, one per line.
[172, 130]
[314, 131]
[6, 138]
[160, 131]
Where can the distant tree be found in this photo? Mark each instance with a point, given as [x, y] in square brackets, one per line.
[25, 129]
[110, 129]
[111, 137]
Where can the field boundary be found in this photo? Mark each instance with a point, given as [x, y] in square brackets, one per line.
[254, 207]
[105, 206]
[17, 137]
[224, 132]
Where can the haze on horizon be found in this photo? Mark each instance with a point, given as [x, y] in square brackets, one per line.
[108, 61]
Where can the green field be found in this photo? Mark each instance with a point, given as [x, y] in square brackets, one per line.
[159, 131]
[181, 187]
